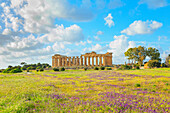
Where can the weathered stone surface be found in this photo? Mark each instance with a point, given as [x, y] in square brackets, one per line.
[101, 60]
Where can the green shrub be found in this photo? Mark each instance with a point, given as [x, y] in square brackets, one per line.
[37, 70]
[137, 85]
[28, 70]
[7, 70]
[62, 69]
[154, 63]
[136, 66]
[85, 69]
[109, 68]
[126, 67]
[55, 69]
[16, 70]
[163, 65]
[96, 68]
[0, 71]
[102, 68]
[24, 68]
[41, 69]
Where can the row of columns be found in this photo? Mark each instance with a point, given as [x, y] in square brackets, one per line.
[58, 61]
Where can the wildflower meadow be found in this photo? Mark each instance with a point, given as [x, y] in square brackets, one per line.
[91, 91]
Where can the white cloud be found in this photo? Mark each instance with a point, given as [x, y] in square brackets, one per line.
[96, 38]
[109, 20]
[142, 27]
[119, 46]
[115, 4]
[6, 31]
[40, 15]
[100, 33]
[68, 34]
[28, 43]
[153, 4]
[96, 48]
[89, 41]
[80, 43]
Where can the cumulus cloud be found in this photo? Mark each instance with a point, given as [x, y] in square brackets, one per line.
[21, 44]
[7, 31]
[119, 46]
[39, 15]
[96, 38]
[69, 34]
[97, 48]
[142, 27]
[109, 20]
[153, 4]
[100, 33]
[115, 4]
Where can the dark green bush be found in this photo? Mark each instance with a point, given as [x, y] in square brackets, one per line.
[136, 66]
[41, 69]
[37, 70]
[109, 68]
[62, 69]
[137, 85]
[163, 65]
[154, 63]
[126, 67]
[96, 68]
[7, 70]
[24, 68]
[55, 69]
[28, 70]
[102, 68]
[16, 70]
[85, 69]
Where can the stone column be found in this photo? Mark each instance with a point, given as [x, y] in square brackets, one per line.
[52, 61]
[77, 59]
[63, 61]
[73, 60]
[66, 62]
[85, 61]
[100, 60]
[96, 60]
[60, 61]
[69, 59]
[89, 61]
[56, 62]
[81, 60]
[104, 61]
[92, 60]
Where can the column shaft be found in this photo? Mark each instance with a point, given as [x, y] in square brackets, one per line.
[89, 61]
[85, 61]
[100, 61]
[96, 60]
[92, 60]
[81, 60]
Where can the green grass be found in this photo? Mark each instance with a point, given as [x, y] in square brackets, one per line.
[152, 72]
[79, 90]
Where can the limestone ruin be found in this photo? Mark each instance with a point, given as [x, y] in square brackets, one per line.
[88, 59]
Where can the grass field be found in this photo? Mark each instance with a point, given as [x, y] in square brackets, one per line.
[86, 91]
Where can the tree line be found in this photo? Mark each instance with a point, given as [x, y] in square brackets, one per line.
[139, 54]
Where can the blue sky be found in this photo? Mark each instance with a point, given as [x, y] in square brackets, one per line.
[33, 31]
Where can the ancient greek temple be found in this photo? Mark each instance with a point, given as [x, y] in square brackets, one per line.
[88, 59]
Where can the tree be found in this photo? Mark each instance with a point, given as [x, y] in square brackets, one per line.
[23, 63]
[153, 53]
[167, 61]
[137, 54]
